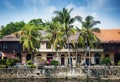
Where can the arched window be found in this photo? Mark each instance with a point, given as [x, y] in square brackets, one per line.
[39, 55]
[107, 55]
[62, 59]
[62, 55]
[28, 57]
[97, 58]
[49, 58]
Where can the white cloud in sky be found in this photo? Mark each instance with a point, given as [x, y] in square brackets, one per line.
[46, 12]
[80, 11]
[9, 5]
[95, 4]
[106, 21]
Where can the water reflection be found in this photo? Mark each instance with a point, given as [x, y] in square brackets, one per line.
[56, 80]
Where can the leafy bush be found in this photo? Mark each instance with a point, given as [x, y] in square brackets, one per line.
[30, 64]
[54, 62]
[119, 63]
[12, 62]
[105, 61]
[2, 62]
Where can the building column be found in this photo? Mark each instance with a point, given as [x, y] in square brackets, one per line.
[23, 58]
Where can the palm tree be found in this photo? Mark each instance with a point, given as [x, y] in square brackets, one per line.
[55, 35]
[30, 39]
[66, 20]
[87, 36]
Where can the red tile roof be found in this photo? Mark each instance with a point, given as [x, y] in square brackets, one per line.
[107, 35]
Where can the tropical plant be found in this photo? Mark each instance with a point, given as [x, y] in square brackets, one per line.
[106, 61]
[118, 63]
[30, 39]
[87, 38]
[2, 62]
[30, 64]
[55, 35]
[54, 62]
[11, 28]
[66, 20]
[37, 23]
[12, 62]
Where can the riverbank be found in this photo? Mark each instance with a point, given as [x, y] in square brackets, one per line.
[60, 73]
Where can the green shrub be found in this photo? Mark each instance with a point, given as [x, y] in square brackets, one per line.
[119, 63]
[30, 64]
[105, 61]
[54, 62]
[12, 62]
[2, 62]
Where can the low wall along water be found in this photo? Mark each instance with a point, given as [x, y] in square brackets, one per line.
[61, 72]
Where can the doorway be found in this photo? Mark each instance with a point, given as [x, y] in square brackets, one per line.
[116, 58]
[62, 59]
[97, 58]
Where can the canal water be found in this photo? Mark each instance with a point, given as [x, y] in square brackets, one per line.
[56, 80]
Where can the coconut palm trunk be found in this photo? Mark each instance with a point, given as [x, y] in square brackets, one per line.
[66, 21]
[69, 56]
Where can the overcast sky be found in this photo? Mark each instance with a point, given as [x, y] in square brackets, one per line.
[106, 11]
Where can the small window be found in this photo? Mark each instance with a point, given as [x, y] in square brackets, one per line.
[4, 46]
[48, 46]
[5, 58]
[39, 56]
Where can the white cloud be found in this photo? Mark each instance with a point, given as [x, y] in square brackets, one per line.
[80, 11]
[95, 4]
[47, 13]
[30, 3]
[9, 5]
[106, 21]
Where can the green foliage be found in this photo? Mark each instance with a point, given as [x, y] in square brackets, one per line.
[105, 60]
[30, 64]
[30, 38]
[55, 35]
[11, 28]
[12, 62]
[119, 63]
[37, 23]
[88, 27]
[2, 62]
[54, 62]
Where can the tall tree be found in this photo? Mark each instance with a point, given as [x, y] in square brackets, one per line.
[55, 35]
[30, 38]
[66, 20]
[37, 23]
[11, 28]
[87, 36]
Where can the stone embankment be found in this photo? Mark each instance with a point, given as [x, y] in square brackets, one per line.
[61, 72]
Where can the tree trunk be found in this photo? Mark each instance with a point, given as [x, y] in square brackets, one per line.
[70, 63]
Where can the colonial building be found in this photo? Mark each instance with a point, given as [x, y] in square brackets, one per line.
[10, 47]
